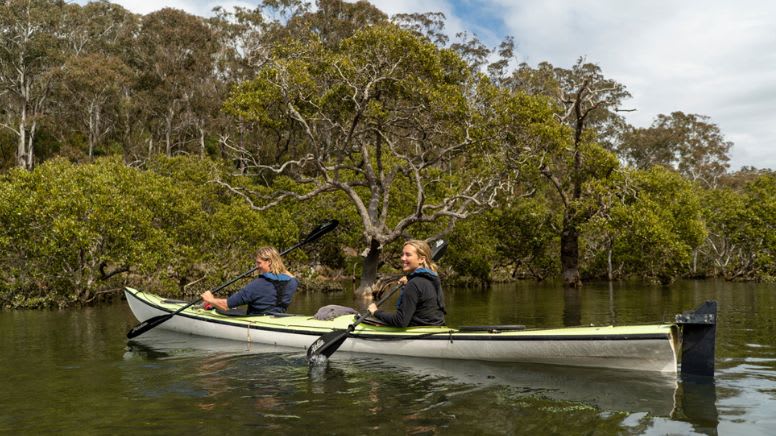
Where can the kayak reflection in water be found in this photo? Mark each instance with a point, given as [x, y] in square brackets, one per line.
[270, 292]
[421, 301]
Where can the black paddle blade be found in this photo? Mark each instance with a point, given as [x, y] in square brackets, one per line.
[438, 249]
[147, 325]
[321, 230]
[327, 344]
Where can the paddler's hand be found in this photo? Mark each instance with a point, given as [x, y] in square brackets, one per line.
[372, 309]
[403, 280]
[218, 303]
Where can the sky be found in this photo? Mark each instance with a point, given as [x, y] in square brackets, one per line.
[708, 57]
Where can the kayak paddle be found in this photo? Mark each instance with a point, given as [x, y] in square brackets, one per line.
[150, 323]
[328, 343]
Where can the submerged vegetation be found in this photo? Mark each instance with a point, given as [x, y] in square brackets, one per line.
[160, 150]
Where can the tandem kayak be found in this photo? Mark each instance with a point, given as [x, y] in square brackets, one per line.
[684, 346]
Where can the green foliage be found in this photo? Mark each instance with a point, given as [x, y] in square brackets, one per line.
[471, 252]
[741, 242]
[62, 224]
[70, 231]
[650, 223]
[527, 237]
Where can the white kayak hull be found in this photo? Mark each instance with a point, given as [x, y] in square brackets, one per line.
[642, 347]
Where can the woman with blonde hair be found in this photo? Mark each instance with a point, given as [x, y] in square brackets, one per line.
[270, 292]
[421, 301]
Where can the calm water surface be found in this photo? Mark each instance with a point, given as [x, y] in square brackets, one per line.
[74, 372]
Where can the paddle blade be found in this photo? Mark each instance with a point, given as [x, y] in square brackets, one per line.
[147, 325]
[321, 230]
[438, 249]
[327, 344]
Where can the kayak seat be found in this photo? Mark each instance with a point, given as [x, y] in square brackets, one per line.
[491, 328]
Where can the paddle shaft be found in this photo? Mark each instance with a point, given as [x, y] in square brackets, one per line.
[150, 323]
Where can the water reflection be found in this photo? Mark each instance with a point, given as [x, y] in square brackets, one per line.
[605, 389]
[572, 307]
[422, 393]
[695, 402]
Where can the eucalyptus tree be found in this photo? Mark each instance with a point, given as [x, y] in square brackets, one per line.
[99, 27]
[403, 129]
[89, 90]
[588, 104]
[430, 25]
[690, 143]
[242, 42]
[174, 53]
[245, 40]
[333, 21]
[30, 52]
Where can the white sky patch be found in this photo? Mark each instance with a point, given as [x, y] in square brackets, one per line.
[708, 57]
[711, 58]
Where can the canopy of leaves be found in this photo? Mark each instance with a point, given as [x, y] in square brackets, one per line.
[689, 143]
[69, 232]
[649, 224]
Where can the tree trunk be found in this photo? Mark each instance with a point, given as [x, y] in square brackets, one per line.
[569, 255]
[202, 150]
[21, 150]
[92, 135]
[30, 139]
[168, 131]
[371, 264]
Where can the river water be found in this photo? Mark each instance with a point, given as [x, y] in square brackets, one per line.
[74, 372]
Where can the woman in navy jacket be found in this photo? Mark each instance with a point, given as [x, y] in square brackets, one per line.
[421, 301]
[270, 292]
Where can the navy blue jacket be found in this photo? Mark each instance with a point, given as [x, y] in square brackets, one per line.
[267, 293]
[421, 302]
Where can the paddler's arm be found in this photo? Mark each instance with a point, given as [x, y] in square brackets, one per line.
[220, 303]
[405, 311]
[372, 309]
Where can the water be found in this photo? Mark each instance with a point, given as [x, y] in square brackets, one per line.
[74, 371]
